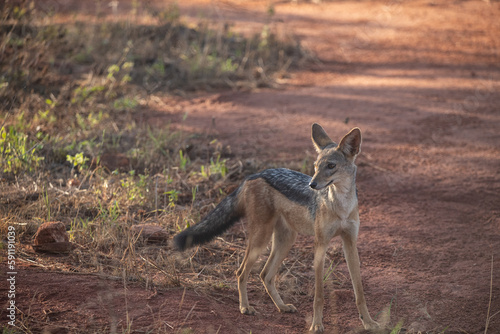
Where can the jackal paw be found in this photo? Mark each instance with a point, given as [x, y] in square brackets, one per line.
[249, 310]
[288, 308]
[316, 329]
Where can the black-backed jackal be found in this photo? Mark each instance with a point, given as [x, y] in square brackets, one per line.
[278, 204]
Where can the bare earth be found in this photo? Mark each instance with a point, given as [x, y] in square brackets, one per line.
[422, 81]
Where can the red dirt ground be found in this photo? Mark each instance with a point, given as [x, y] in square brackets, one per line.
[421, 79]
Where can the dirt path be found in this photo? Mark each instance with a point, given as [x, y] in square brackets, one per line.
[422, 81]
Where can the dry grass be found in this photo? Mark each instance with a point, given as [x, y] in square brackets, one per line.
[72, 95]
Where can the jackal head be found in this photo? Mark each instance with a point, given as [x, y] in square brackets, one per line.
[335, 162]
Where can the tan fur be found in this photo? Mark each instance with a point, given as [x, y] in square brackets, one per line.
[272, 216]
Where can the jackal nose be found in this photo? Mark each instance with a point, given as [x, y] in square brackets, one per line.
[313, 185]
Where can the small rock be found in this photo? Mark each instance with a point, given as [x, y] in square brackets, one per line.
[73, 183]
[52, 237]
[151, 233]
[51, 232]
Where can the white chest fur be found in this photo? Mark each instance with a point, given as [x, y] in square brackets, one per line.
[343, 202]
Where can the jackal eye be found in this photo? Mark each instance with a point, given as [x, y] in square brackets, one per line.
[331, 166]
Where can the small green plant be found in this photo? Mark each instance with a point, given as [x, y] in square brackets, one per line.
[123, 70]
[271, 10]
[109, 214]
[82, 226]
[184, 161]
[104, 89]
[264, 38]
[84, 145]
[158, 141]
[173, 196]
[118, 75]
[46, 115]
[16, 155]
[91, 121]
[216, 167]
[83, 94]
[330, 270]
[228, 66]
[157, 69]
[397, 329]
[194, 190]
[46, 201]
[125, 103]
[136, 188]
[444, 330]
[187, 223]
[78, 160]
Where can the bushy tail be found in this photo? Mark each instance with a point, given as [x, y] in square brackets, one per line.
[215, 223]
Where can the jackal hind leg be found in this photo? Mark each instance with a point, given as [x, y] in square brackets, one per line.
[319, 298]
[283, 240]
[258, 238]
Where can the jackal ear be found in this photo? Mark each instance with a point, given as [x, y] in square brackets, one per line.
[350, 145]
[319, 138]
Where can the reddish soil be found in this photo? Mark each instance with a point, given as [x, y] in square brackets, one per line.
[421, 79]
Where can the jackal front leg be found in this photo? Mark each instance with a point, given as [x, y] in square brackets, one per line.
[352, 259]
